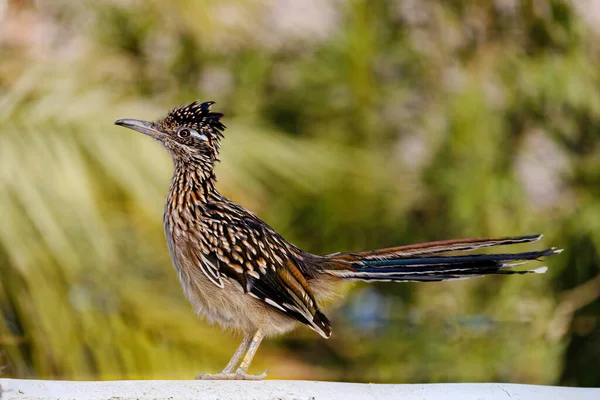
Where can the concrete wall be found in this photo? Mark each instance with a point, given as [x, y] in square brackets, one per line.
[213, 390]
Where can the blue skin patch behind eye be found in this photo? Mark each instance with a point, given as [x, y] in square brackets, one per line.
[198, 135]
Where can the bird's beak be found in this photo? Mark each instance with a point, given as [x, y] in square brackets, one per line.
[145, 127]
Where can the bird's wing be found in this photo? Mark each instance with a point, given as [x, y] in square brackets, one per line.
[274, 274]
[248, 252]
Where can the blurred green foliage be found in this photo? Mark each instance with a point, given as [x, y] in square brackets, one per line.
[352, 125]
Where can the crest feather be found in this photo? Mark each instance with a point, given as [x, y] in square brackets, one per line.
[195, 115]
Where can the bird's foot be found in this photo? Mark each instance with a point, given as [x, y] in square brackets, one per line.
[239, 375]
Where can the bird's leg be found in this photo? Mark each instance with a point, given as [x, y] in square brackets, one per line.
[254, 343]
[247, 348]
[235, 359]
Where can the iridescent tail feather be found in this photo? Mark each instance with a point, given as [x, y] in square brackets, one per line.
[435, 261]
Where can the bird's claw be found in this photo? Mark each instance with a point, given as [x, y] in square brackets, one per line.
[233, 376]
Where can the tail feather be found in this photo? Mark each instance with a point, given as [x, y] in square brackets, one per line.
[473, 259]
[442, 246]
[415, 263]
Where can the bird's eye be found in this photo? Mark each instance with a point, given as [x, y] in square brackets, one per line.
[183, 133]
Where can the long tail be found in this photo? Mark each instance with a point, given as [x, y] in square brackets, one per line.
[430, 262]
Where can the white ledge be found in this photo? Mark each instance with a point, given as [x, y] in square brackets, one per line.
[213, 390]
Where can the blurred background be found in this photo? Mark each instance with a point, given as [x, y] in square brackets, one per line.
[351, 125]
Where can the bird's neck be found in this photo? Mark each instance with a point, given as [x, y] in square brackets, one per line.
[193, 179]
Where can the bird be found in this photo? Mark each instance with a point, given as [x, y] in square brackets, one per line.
[239, 272]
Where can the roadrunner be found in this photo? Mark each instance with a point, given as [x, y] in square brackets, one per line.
[236, 270]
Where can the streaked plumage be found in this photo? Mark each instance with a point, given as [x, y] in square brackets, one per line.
[239, 272]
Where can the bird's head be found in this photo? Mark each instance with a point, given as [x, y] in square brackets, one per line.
[191, 133]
